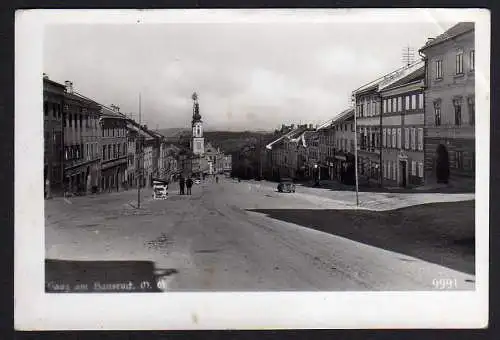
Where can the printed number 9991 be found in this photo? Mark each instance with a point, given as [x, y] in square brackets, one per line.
[444, 283]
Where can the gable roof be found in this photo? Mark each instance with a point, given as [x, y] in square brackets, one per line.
[454, 31]
[290, 135]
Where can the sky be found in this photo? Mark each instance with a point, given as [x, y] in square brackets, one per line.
[248, 76]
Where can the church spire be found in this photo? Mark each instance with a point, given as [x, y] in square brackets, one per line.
[196, 109]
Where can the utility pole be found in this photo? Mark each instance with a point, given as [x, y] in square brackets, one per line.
[139, 162]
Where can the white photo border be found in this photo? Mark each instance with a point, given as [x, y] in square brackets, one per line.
[36, 310]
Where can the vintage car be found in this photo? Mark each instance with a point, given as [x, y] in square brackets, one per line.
[286, 185]
[160, 189]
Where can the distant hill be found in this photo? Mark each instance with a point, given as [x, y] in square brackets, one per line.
[173, 132]
[233, 141]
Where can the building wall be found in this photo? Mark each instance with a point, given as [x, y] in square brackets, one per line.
[114, 146]
[81, 143]
[402, 135]
[368, 108]
[444, 94]
[53, 103]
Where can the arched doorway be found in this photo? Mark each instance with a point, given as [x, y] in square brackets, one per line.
[442, 164]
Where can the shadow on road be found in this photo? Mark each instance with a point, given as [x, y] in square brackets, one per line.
[441, 233]
[62, 276]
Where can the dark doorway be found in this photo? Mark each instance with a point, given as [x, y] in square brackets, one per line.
[402, 166]
[442, 164]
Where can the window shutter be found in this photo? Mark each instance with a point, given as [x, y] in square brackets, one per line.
[413, 168]
[399, 138]
[393, 138]
[413, 139]
[407, 139]
[384, 137]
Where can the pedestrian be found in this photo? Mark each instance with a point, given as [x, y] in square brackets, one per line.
[189, 184]
[181, 186]
[216, 179]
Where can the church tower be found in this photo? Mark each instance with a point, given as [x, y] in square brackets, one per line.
[197, 143]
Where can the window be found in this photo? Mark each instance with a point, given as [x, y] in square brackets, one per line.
[119, 149]
[400, 104]
[384, 106]
[394, 105]
[472, 110]
[394, 170]
[389, 105]
[54, 110]
[472, 60]
[413, 139]
[458, 112]
[103, 152]
[399, 138]
[384, 132]
[70, 120]
[81, 121]
[459, 160]
[393, 135]
[437, 114]
[420, 133]
[414, 102]
[420, 169]
[109, 151]
[459, 63]
[407, 103]
[413, 168]
[439, 69]
[420, 100]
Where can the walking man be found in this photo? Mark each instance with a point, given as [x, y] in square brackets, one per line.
[189, 184]
[181, 186]
[216, 179]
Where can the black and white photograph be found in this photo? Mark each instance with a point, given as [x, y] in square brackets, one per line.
[252, 168]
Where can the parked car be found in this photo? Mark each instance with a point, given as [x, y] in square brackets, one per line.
[286, 185]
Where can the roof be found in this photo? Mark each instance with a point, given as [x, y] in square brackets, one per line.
[455, 31]
[388, 79]
[403, 75]
[344, 115]
[107, 112]
[290, 135]
[49, 81]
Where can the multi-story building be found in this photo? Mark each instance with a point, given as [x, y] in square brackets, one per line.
[132, 139]
[343, 164]
[53, 103]
[149, 145]
[367, 110]
[402, 128]
[82, 132]
[449, 142]
[289, 154]
[114, 144]
[227, 164]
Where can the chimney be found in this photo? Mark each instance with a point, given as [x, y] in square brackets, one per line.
[69, 86]
[310, 126]
[45, 76]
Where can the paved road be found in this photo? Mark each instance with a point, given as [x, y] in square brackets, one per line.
[214, 243]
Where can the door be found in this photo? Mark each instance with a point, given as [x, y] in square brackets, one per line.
[402, 166]
[442, 164]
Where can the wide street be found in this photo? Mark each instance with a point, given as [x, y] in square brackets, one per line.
[232, 236]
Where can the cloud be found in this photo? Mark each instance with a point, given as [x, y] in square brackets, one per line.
[248, 75]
